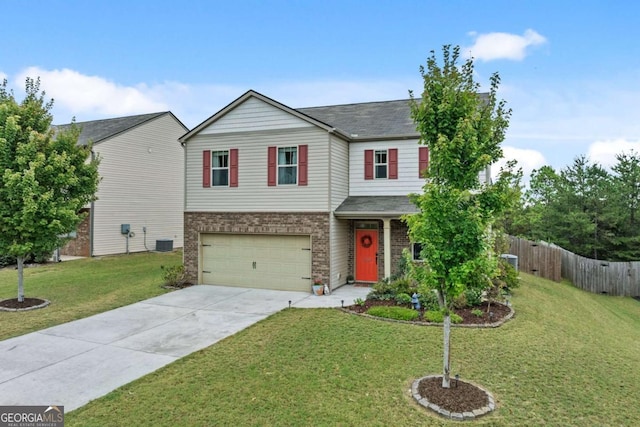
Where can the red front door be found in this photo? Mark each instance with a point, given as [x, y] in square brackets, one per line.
[367, 255]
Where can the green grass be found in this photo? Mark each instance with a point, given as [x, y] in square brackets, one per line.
[567, 358]
[82, 288]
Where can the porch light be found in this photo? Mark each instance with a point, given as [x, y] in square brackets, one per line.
[415, 301]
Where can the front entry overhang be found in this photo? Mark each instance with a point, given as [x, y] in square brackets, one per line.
[383, 208]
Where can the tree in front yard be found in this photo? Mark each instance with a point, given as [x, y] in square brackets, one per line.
[463, 131]
[45, 177]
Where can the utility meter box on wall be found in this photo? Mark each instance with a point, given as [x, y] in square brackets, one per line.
[125, 228]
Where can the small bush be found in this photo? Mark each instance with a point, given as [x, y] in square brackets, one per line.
[436, 316]
[397, 313]
[386, 290]
[173, 275]
[477, 313]
[359, 301]
[428, 298]
[473, 296]
[403, 299]
[460, 301]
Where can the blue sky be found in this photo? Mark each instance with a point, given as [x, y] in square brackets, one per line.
[570, 70]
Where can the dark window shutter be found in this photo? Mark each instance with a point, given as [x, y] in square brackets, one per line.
[393, 163]
[368, 164]
[272, 166]
[423, 161]
[302, 164]
[233, 167]
[206, 168]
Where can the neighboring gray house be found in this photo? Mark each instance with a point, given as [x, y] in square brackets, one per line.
[277, 197]
[142, 175]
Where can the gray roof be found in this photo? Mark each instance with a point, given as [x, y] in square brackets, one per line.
[375, 206]
[99, 130]
[369, 119]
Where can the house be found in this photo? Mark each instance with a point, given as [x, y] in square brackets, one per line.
[277, 197]
[141, 186]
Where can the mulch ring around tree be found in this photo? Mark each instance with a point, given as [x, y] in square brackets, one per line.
[492, 316]
[28, 304]
[462, 401]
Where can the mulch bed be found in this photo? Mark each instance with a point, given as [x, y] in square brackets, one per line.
[13, 303]
[492, 314]
[460, 397]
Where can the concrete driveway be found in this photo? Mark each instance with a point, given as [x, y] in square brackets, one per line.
[76, 362]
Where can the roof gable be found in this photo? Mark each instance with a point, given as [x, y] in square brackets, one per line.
[247, 106]
[96, 131]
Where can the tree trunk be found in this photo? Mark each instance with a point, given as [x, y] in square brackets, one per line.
[20, 279]
[447, 355]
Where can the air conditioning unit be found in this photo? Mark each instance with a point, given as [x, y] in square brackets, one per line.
[511, 259]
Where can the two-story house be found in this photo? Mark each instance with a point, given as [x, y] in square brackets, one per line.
[277, 197]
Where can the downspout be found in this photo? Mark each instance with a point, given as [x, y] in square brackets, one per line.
[91, 215]
[330, 206]
[184, 197]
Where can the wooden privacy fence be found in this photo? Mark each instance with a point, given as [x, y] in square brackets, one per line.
[537, 258]
[554, 263]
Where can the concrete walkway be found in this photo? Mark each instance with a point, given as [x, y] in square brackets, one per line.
[76, 362]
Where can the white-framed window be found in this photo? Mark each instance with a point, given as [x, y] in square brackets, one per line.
[380, 164]
[220, 168]
[287, 165]
[416, 249]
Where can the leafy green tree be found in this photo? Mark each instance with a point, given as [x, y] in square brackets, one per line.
[45, 178]
[463, 131]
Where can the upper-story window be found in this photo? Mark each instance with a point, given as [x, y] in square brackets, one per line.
[380, 164]
[287, 165]
[220, 168]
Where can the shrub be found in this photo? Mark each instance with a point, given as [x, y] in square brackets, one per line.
[173, 275]
[473, 296]
[359, 301]
[460, 301]
[388, 289]
[477, 313]
[436, 316]
[403, 299]
[428, 298]
[397, 313]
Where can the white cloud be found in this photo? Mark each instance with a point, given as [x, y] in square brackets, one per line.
[604, 152]
[527, 159]
[492, 46]
[79, 94]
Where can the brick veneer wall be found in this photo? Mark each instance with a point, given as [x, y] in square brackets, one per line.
[81, 244]
[314, 224]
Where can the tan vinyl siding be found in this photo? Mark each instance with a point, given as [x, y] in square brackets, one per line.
[254, 115]
[408, 180]
[142, 185]
[252, 193]
[339, 228]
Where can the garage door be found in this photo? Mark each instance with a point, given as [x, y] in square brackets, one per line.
[257, 261]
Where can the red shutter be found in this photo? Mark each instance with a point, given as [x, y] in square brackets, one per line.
[233, 167]
[393, 163]
[272, 166]
[302, 164]
[368, 164]
[206, 168]
[423, 163]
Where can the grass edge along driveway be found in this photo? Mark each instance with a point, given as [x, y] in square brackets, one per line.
[567, 358]
[81, 288]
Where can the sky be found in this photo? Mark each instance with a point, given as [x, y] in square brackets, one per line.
[570, 71]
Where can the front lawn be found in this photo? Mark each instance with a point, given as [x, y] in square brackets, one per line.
[82, 288]
[567, 358]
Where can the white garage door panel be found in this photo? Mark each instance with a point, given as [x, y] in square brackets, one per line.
[257, 261]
